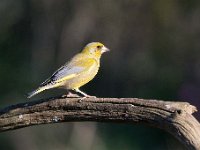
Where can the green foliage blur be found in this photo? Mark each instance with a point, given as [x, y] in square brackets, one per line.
[155, 54]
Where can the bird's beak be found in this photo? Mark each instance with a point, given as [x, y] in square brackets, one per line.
[104, 49]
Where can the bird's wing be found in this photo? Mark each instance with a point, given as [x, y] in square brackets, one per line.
[62, 74]
[69, 71]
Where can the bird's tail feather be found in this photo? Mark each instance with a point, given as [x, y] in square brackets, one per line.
[37, 91]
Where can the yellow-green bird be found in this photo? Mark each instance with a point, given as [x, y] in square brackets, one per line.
[81, 69]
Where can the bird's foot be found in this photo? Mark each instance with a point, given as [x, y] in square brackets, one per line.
[86, 96]
[70, 95]
[90, 96]
[81, 99]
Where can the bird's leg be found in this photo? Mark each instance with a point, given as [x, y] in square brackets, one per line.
[84, 94]
[70, 94]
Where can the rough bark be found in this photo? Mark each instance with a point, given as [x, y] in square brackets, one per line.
[173, 117]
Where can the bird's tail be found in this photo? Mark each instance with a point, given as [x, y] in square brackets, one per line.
[38, 90]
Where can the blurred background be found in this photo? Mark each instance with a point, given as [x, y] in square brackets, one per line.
[155, 54]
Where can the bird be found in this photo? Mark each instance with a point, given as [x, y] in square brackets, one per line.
[77, 72]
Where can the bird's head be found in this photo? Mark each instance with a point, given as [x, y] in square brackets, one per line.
[95, 49]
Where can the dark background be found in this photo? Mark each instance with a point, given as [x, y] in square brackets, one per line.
[155, 54]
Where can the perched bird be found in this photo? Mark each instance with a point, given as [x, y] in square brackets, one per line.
[81, 69]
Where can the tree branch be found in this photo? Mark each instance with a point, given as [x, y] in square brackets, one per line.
[173, 117]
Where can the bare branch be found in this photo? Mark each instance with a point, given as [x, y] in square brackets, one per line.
[173, 117]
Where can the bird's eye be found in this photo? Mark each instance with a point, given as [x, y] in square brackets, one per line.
[99, 46]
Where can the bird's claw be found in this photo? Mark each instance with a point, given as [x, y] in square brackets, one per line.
[87, 96]
[69, 94]
[81, 99]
